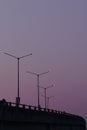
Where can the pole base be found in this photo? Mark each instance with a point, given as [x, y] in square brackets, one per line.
[17, 101]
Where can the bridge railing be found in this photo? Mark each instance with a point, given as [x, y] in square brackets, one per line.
[30, 107]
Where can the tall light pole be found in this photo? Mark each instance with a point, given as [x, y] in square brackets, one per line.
[38, 76]
[18, 59]
[48, 101]
[45, 88]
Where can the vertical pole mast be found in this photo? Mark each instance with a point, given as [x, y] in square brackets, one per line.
[38, 90]
[45, 97]
[18, 77]
[18, 98]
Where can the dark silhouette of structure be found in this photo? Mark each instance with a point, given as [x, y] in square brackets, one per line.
[18, 59]
[45, 94]
[25, 117]
[38, 82]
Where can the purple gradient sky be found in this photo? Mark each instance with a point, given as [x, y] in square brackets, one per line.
[55, 31]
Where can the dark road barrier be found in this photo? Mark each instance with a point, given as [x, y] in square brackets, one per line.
[26, 117]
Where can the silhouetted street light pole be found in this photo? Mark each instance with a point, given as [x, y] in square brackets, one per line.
[38, 76]
[18, 59]
[45, 88]
[48, 100]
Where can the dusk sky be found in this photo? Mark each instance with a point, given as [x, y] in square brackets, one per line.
[55, 32]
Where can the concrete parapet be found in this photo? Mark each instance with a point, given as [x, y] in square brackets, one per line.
[43, 119]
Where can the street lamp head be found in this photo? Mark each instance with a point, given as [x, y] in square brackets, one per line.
[17, 57]
[37, 74]
[46, 87]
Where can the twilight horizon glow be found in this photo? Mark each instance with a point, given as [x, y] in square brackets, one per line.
[55, 32]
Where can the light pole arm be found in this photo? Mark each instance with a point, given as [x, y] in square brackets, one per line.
[43, 73]
[49, 86]
[25, 56]
[32, 73]
[10, 55]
